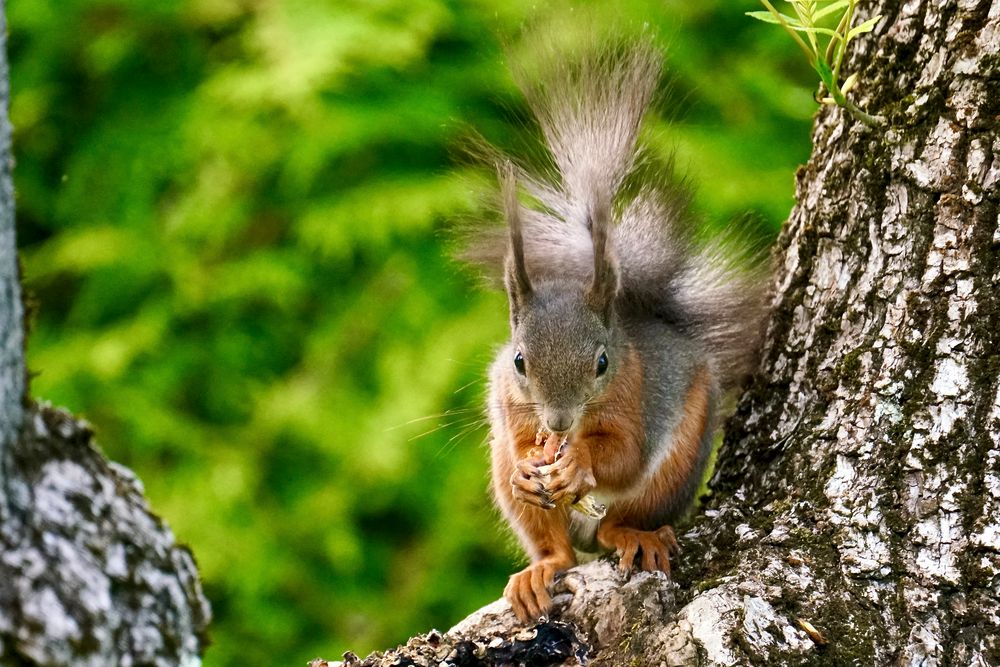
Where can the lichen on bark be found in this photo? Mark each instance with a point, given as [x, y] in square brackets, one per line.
[88, 575]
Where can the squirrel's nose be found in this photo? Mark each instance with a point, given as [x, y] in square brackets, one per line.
[558, 422]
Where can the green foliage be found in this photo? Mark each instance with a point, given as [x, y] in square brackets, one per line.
[233, 216]
[827, 60]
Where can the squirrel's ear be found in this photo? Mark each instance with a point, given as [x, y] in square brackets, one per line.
[515, 271]
[602, 292]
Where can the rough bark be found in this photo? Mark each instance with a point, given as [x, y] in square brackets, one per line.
[88, 575]
[11, 309]
[855, 515]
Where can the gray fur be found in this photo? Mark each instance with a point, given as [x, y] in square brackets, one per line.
[590, 108]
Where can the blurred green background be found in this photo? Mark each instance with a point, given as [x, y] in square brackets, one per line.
[233, 217]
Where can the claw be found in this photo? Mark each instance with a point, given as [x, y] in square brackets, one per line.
[653, 548]
[528, 486]
[528, 590]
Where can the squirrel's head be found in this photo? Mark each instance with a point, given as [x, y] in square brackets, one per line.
[565, 340]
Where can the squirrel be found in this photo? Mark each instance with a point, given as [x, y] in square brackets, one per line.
[625, 330]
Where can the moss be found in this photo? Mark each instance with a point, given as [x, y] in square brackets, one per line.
[762, 522]
[708, 584]
[851, 629]
[989, 65]
[850, 367]
[983, 378]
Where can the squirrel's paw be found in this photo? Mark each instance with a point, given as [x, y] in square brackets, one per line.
[654, 547]
[528, 486]
[528, 590]
[566, 480]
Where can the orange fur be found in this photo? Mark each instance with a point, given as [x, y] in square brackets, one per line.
[677, 468]
[635, 525]
[613, 435]
[543, 532]
[606, 448]
[540, 531]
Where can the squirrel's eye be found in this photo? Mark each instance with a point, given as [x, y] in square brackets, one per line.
[519, 362]
[602, 364]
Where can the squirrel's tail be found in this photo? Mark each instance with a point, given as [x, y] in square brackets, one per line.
[589, 107]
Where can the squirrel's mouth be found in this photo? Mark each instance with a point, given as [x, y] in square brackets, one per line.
[558, 421]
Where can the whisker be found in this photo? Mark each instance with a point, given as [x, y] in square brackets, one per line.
[467, 385]
[446, 413]
[443, 425]
[454, 440]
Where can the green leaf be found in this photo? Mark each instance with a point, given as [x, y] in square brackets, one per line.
[803, 12]
[816, 31]
[829, 9]
[768, 17]
[867, 26]
[826, 74]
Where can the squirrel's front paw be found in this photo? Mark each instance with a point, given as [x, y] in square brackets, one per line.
[528, 590]
[567, 480]
[528, 486]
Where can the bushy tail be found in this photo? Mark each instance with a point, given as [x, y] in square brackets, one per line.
[590, 107]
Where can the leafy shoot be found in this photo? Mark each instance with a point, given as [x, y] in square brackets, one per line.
[824, 47]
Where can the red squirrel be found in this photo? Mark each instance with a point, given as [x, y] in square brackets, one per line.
[625, 330]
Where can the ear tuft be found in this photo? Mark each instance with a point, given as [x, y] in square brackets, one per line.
[516, 279]
[604, 288]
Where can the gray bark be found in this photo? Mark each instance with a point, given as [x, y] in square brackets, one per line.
[855, 515]
[88, 575]
[11, 309]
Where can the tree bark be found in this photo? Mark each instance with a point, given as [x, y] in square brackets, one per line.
[88, 575]
[855, 510]
[11, 308]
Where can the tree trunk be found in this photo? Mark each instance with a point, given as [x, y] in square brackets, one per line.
[11, 309]
[885, 348]
[88, 575]
[855, 515]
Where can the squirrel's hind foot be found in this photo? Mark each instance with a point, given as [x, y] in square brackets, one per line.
[652, 547]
